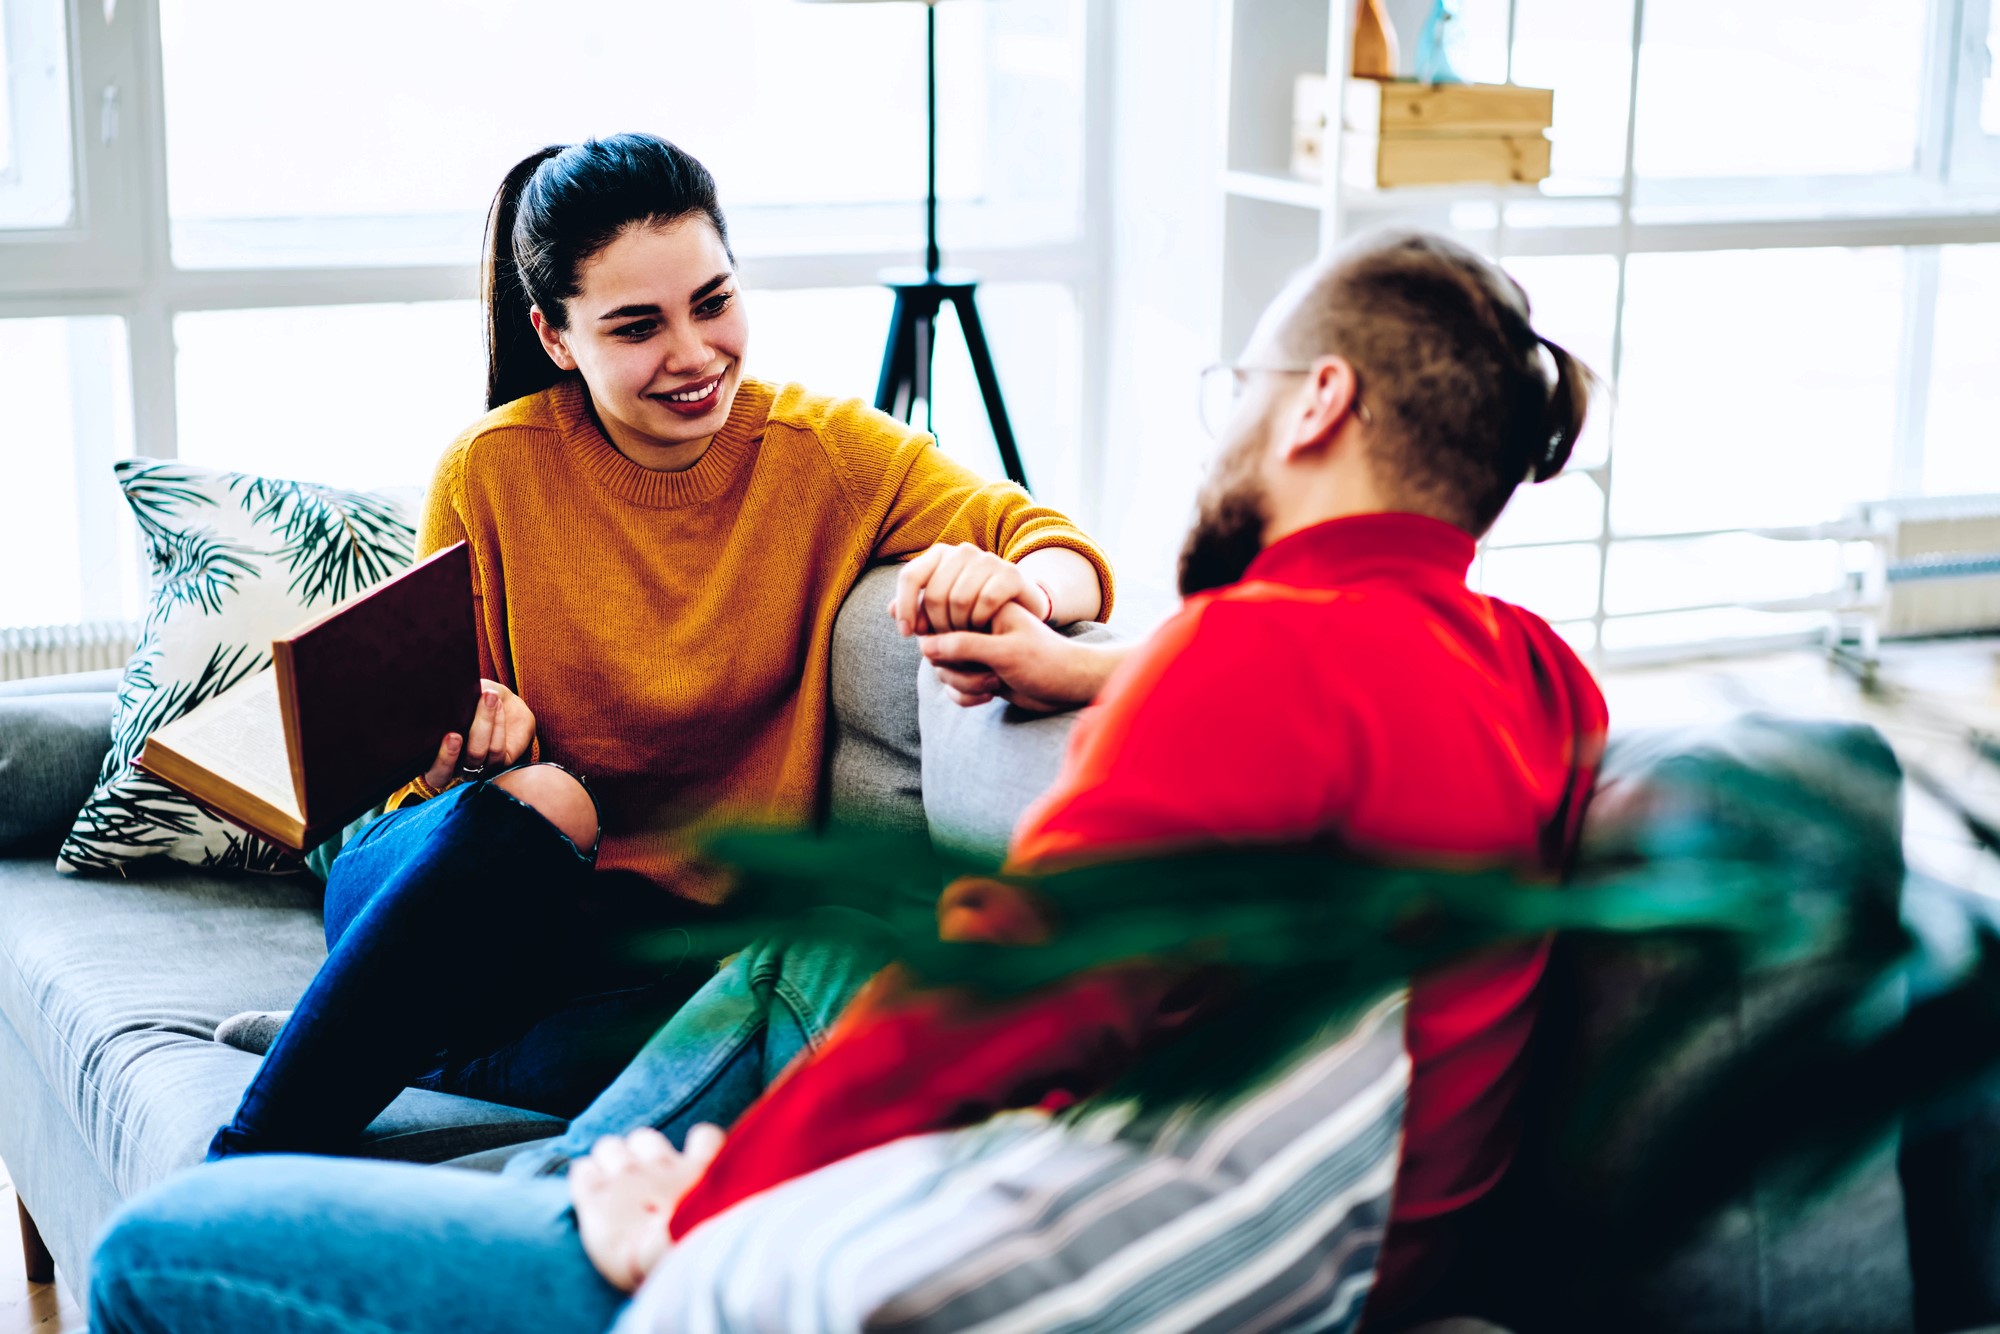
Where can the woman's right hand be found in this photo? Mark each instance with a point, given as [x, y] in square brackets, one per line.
[503, 727]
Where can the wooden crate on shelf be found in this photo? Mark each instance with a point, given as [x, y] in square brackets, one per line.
[1403, 133]
[1371, 162]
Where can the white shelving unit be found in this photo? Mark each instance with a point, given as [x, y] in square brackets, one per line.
[1275, 222]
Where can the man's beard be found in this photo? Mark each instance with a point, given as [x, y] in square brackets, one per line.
[1228, 530]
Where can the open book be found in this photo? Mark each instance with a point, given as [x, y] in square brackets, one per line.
[353, 707]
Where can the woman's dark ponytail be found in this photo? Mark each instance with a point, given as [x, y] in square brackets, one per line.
[516, 364]
[555, 210]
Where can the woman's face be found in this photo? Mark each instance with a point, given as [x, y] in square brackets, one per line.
[657, 331]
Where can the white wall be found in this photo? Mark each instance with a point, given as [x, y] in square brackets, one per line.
[1165, 286]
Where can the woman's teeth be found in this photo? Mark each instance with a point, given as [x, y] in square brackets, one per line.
[693, 395]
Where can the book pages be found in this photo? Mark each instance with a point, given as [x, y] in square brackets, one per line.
[240, 737]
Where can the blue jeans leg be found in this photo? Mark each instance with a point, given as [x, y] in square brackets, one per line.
[772, 1001]
[285, 1245]
[454, 928]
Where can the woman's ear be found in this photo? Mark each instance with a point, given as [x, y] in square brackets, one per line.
[1328, 400]
[552, 340]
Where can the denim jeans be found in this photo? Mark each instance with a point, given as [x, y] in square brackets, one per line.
[297, 1245]
[761, 1010]
[472, 949]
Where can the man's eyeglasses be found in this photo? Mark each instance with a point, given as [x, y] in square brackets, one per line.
[1222, 388]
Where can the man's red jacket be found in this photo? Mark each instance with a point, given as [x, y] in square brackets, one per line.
[1350, 687]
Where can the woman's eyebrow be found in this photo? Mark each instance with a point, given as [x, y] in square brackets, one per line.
[647, 308]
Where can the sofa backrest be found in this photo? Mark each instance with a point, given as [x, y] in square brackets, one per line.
[1822, 801]
[55, 730]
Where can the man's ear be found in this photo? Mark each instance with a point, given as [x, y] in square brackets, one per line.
[1328, 400]
[552, 340]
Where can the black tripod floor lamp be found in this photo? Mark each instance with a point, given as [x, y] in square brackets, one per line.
[922, 293]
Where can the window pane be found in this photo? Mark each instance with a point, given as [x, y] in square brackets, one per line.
[1759, 387]
[1662, 576]
[1780, 87]
[1583, 50]
[37, 187]
[1719, 625]
[67, 545]
[1036, 332]
[1574, 302]
[1962, 442]
[1556, 583]
[388, 150]
[1989, 102]
[353, 396]
[409, 378]
[830, 340]
[1563, 509]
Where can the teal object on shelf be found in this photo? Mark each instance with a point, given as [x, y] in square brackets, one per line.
[1434, 45]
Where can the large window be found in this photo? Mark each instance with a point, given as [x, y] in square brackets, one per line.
[248, 234]
[399, 118]
[1776, 228]
[37, 189]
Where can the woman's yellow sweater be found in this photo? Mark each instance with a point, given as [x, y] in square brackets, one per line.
[672, 630]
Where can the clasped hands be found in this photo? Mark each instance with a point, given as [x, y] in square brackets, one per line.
[983, 625]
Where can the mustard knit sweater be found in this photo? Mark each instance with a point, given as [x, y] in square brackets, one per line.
[672, 630]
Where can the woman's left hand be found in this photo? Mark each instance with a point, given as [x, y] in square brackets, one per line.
[961, 588]
[625, 1193]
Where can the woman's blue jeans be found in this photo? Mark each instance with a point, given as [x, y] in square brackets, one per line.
[473, 949]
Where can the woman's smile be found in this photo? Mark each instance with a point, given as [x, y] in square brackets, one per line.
[692, 400]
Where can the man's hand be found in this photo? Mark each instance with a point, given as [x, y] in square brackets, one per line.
[502, 729]
[962, 588]
[625, 1193]
[1022, 661]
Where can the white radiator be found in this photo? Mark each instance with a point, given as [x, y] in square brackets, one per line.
[52, 650]
[1938, 564]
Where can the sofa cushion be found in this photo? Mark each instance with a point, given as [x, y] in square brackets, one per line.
[50, 749]
[1262, 1215]
[116, 987]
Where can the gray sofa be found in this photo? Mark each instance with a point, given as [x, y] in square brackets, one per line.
[110, 989]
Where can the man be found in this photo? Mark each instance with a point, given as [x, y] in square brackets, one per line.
[1330, 677]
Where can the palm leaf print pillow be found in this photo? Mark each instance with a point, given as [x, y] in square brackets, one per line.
[237, 561]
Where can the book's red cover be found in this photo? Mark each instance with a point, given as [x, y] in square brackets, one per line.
[370, 689]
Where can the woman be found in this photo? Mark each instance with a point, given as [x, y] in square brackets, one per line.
[660, 546]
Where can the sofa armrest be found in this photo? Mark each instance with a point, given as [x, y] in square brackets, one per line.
[984, 766]
[51, 747]
[70, 683]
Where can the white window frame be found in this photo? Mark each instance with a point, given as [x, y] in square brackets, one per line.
[1951, 197]
[115, 258]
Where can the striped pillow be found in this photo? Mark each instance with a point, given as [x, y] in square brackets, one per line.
[1267, 1216]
